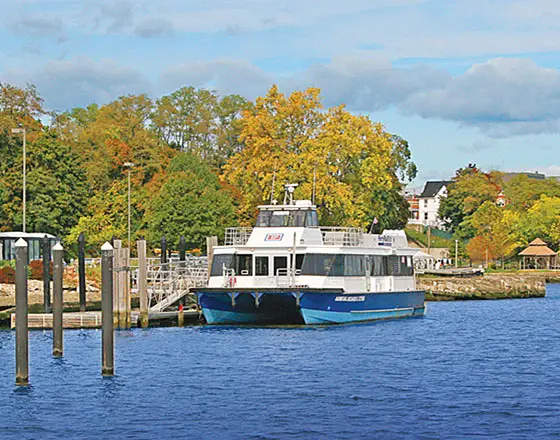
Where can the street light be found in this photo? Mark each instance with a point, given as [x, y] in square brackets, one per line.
[17, 131]
[129, 165]
[456, 252]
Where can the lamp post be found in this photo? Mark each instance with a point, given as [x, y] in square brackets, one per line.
[129, 165]
[17, 131]
[456, 252]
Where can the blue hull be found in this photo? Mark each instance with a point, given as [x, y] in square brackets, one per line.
[305, 306]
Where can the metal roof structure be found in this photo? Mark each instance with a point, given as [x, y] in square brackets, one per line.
[433, 187]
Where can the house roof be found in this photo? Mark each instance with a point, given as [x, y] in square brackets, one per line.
[433, 187]
[537, 248]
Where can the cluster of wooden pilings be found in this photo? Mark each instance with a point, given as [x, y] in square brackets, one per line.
[108, 277]
[116, 310]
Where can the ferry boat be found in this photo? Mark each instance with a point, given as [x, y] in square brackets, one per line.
[289, 270]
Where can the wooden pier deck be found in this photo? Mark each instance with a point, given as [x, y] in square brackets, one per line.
[79, 320]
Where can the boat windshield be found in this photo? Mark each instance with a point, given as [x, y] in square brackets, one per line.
[297, 218]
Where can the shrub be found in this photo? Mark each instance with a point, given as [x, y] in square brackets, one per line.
[7, 275]
[36, 270]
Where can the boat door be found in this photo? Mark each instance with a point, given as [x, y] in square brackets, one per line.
[281, 270]
[264, 276]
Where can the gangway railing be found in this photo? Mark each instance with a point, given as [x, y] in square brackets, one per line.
[170, 282]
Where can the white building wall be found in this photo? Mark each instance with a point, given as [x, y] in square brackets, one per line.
[429, 207]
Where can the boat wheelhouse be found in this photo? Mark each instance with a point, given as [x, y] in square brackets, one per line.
[289, 270]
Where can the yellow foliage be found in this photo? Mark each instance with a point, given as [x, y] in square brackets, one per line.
[293, 138]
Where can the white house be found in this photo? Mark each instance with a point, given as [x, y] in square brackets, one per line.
[428, 204]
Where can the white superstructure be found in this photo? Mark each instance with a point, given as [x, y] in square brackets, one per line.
[287, 248]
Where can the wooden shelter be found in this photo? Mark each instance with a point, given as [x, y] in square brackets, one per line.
[538, 256]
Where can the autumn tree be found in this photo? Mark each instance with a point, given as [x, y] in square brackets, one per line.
[294, 139]
[109, 136]
[198, 121]
[20, 108]
[106, 217]
[543, 221]
[496, 231]
[522, 192]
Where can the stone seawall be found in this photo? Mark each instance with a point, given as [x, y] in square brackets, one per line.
[489, 286]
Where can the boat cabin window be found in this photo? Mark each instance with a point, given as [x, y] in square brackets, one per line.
[280, 263]
[244, 265]
[378, 265]
[354, 266]
[218, 263]
[297, 218]
[400, 265]
[261, 266]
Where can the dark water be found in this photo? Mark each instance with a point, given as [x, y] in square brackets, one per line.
[467, 369]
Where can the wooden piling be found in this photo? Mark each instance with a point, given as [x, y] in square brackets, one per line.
[163, 256]
[82, 270]
[58, 342]
[107, 330]
[211, 243]
[47, 273]
[22, 330]
[143, 283]
[182, 248]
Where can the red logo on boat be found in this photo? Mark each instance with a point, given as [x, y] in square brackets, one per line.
[273, 237]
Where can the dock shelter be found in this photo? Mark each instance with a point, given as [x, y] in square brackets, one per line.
[34, 243]
[538, 256]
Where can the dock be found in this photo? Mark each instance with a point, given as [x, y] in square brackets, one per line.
[455, 272]
[82, 320]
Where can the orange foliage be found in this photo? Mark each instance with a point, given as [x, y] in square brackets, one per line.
[477, 248]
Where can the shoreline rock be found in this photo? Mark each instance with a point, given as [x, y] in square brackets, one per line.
[488, 287]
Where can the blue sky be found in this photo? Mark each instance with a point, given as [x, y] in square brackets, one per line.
[464, 81]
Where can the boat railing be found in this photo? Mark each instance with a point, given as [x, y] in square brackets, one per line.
[229, 277]
[342, 236]
[237, 236]
[285, 277]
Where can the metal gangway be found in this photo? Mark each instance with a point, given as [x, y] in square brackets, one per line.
[169, 282]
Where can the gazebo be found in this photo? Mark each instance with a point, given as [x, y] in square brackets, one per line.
[538, 256]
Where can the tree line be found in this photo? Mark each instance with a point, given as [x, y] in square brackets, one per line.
[488, 228]
[201, 163]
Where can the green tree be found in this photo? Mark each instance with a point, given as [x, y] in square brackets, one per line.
[470, 189]
[56, 187]
[191, 203]
[198, 121]
[543, 221]
[522, 192]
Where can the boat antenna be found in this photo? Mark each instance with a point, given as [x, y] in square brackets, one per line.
[314, 183]
[273, 182]
[289, 193]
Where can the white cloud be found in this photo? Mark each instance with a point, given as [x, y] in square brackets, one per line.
[225, 76]
[502, 96]
[82, 81]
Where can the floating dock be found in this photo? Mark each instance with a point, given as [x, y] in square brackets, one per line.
[79, 320]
